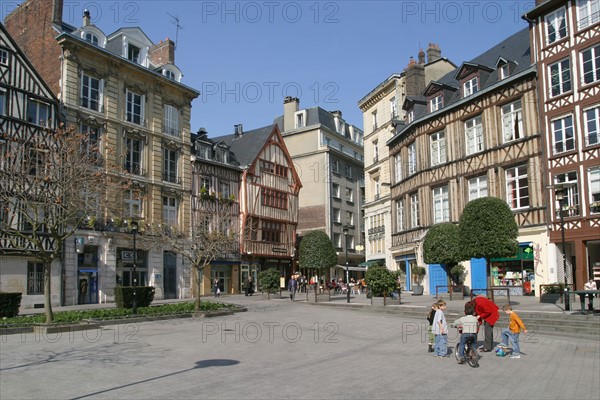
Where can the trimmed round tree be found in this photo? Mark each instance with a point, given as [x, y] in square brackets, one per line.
[381, 281]
[442, 246]
[487, 229]
[268, 280]
[317, 252]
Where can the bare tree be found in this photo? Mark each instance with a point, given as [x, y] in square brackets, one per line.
[213, 234]
[51, 183]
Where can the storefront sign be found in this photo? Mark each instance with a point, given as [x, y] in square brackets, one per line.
[279, 250]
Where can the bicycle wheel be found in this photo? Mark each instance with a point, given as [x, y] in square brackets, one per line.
[456, 352]
[472, 357]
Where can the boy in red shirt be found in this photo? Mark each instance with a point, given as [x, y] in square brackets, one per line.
[515, 326]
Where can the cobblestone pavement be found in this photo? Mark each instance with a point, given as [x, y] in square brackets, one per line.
[284, 350]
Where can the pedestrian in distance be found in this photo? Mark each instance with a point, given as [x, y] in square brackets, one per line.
[249, 289]
[440, 330]
[216, 287]
[511, 334]
[292, 287]
[430, 317]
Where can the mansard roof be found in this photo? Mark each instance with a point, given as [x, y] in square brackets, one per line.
[248, 145]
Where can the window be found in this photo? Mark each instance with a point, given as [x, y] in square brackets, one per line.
[375, 151]
[90, 37]
[38, 113]
[594, 183]
[337, 240]
[556, 25]
[377, 189]
[300, 120]
[570, 202]
[92, 140]
[170, 165]
[272, 168]
[399, 216]
[221, 154]
[562, 134]
[590, 64]
[478, 187]
[169, 210]
[441, 205]
[438, 148]
[517, 187]
[2, 102]
[470, 86]
[588, 13]
[592, 122]
[133, 204]
[224, 190]
[349, 195]
[271, 231]
[135, 108]
[474, 135]
[398, 167]
[133, 156]
[414, 211]
[504, 71]
[560, 77]
[374, 119]
[393, 108]
[410, 117]
[350, 218]
[337, 215]
[436, 103]
[203, 151]
[169, 74]
[512, 121]
[335, 190]
[35, 278]
[37, 162]
[412, 158]
[348, 171]
[171, 120]
[133, 53]
[335, 166]
[274, 198]
[205, 183]
[3, 57]
[91, 92]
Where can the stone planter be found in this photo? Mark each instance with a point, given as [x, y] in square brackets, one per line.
[550, 298]
[60, 328]
[417, 290]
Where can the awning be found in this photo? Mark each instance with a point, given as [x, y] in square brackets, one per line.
[370, 263]
[363, 269]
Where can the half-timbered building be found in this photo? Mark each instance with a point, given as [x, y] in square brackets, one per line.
[565, 37]
[28, 114]
[268, 198]
[472, 133]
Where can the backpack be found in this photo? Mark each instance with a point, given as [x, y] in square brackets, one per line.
[431, 316]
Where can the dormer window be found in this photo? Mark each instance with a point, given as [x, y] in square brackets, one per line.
[133, 53]
[436, 103]
[503, 71]
[471, 86]
[300, 119]
[169, 74]
[410, 117]
[93, 39]
[204, 151]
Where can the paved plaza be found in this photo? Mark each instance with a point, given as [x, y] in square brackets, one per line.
[284, 350]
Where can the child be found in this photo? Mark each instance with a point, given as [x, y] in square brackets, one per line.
[515, 326]
[440, 330]
[470, 326]
[430, 316]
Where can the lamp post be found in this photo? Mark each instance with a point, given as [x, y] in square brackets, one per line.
[134, 230]
[560, 197]
[345, 230]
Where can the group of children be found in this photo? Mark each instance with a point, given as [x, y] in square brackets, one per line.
[438, 328]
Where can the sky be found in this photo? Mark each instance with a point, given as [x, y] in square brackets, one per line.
[245, 57]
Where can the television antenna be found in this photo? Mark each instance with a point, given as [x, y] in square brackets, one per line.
[178, 27]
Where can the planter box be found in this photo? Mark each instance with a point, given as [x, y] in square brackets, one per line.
[417, 290]
[550, 298]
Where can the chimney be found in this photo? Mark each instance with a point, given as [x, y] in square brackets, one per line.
[162, 53]
[421, 57]
[290, 106]
[336, 114]
[415, 78]
[433, 53]
[239, 130]
[86, 17]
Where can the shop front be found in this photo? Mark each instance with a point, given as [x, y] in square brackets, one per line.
[515, 273]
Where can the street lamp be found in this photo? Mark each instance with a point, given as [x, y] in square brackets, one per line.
[345, 230]
[134, 230]
[560, 197]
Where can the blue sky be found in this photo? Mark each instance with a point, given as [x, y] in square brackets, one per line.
[246, 56]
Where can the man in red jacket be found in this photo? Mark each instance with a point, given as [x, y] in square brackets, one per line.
[486, 310]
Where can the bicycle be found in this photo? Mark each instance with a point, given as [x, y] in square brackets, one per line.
[471, 355]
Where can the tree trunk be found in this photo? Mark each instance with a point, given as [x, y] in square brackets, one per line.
[198, 287]
[47, 297]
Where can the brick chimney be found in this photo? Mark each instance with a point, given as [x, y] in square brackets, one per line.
[421, 57]
[162, 53]
[31, 26]
[415, 78]
[433, 53]
[290, 106]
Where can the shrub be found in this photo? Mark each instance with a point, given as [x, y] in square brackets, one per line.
[553, 289]
[381, 281]
[420, 273]
[268, 280]
[143, 295]
[9, 304]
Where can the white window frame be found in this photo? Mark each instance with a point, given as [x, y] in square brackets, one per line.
[554, 20]
[591, 118]
[133, 206]
[414, 211]
[130, 103]
[588, 13]
[471, 86]
[504, 71]
[170, 165]
[594, 61]
[89, 94]
[474, 135]
[375, 151]
[441, 204]
[39, 106]
[594, 188]
[512, 121]
[563, 135]
[335, 190]
[3, 101]
[335, 166]
[300, 119]
[517, 187]
[225, 189]
[398, 167]
[438, 148]
[337, 215]
[399, 215]
[337, 240]
[349, 195]
[350, 218]
[393, 108]
[171, 120]
[374, 119]
[410, 117]
[91, 38]
[348, 171]
[559, 78]
[436, 103]
[570, 179]
[130, 152]
[3, 57]
[170, 205]
[412, 158]
[478, 187]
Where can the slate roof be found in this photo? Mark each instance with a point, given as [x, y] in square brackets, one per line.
[247, 146]
[515, 50]
[319, 116]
